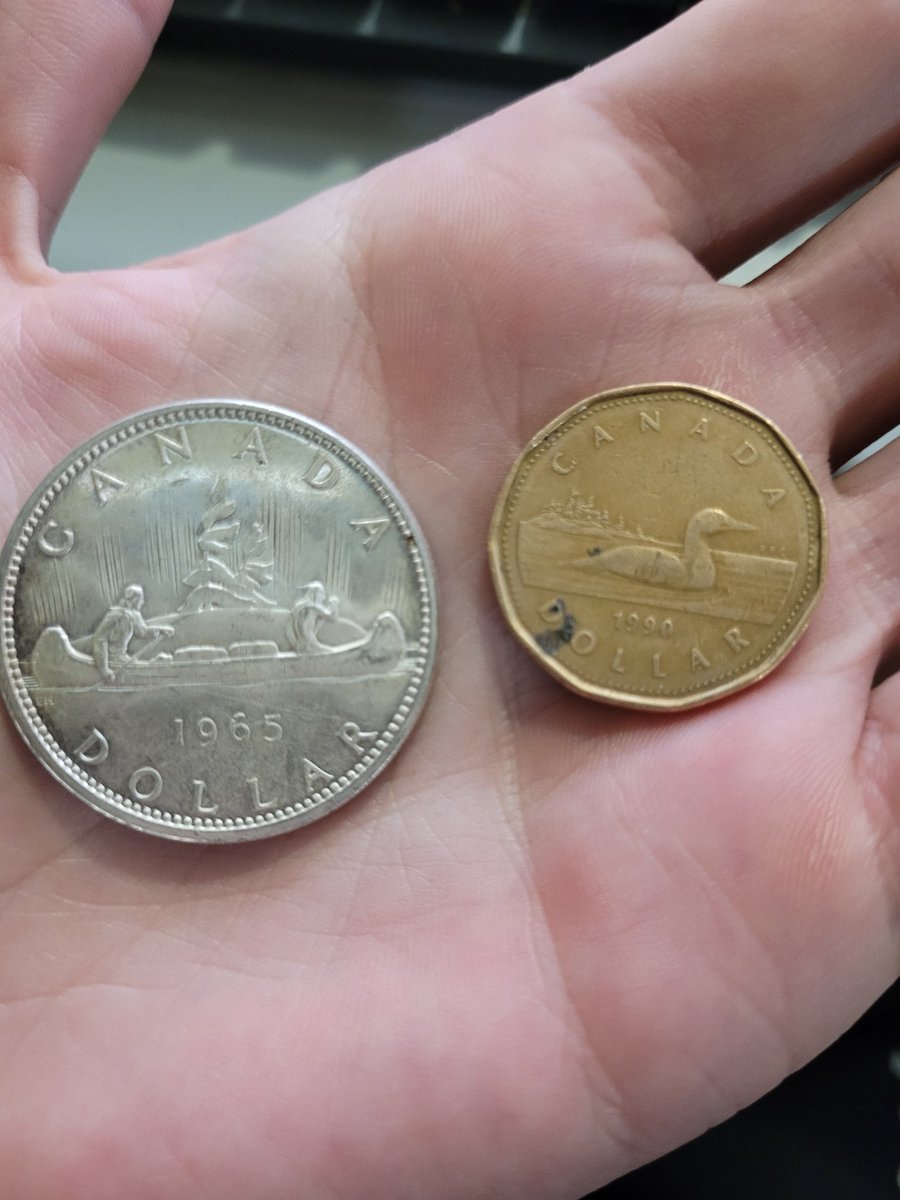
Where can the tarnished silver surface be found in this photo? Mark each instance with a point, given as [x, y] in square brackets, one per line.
[218, 621]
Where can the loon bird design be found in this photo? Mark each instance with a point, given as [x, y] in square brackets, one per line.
[693, 568]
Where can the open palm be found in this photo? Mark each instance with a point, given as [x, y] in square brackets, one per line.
[553, 939]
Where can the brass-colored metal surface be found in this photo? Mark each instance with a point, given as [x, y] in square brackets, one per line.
[658, 547]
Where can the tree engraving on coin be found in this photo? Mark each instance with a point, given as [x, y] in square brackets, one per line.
[658, 547]
[218, 621]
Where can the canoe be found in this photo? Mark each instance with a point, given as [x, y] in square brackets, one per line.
[57, 662]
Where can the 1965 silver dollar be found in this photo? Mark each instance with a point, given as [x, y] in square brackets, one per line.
[218, 621]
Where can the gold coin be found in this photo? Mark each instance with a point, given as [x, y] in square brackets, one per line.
[658, 547]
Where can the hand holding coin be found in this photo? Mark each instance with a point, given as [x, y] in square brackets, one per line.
[555, 937]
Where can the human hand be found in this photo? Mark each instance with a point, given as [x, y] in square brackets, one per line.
[554, 939]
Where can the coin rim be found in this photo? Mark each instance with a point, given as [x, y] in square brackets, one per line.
[612, 696]
[116, 809]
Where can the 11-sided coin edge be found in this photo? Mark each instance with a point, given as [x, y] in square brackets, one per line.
[626, 699]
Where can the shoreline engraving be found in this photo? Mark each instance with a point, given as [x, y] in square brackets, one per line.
[574, 546]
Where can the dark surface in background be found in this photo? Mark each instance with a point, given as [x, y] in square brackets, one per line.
[526, 42]
[830, 1132]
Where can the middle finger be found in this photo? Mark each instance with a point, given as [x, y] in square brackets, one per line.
[835, 302]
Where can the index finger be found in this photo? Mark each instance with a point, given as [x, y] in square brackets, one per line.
[67, 66]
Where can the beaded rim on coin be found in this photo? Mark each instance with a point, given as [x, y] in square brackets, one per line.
[149, 818]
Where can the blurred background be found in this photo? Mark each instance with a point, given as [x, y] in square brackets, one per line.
[249, 106]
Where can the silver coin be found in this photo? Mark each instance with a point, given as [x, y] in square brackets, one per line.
[218, 621]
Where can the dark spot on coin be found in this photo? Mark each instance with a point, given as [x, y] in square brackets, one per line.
[550, 640]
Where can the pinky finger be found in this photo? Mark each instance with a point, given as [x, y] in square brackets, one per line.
[881, 762]
[871, 493]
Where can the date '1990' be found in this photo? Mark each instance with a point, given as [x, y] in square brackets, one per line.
[632, 622]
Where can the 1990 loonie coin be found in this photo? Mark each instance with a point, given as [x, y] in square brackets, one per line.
[218, 621]
[658, 547]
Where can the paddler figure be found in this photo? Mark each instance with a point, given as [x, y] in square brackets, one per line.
[122, 622]
[312, 608]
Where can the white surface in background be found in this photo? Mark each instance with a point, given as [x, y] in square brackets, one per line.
[205, 146]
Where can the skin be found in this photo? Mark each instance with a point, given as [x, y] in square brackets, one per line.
[555, 939]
